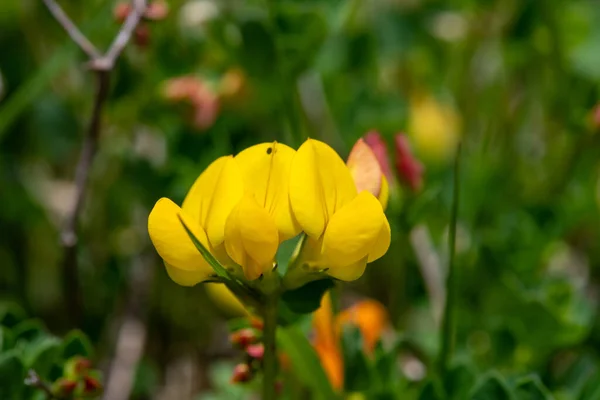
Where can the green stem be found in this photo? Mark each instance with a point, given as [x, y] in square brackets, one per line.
[448, 321]
[269, 314]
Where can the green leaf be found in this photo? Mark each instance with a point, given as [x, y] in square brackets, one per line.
[210, 259]
[431, 391]
[492, 387]
[286, 252]
[459, 380]
[357, 371]
[7, 339]
[531, 388]
[12, 374]
[11, 314]
[76, 343]
[246, 294]
[307, 298]
[29, 330]
[305, 362]
[42, 354]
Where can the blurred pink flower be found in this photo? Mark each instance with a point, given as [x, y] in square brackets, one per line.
[204, 101]
[410, 170]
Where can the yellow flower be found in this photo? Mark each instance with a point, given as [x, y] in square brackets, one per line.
[345, 229]
[263, 218]
[205, 210]
[238, 209]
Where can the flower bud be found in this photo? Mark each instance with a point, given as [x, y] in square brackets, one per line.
[121, 11]
[379, 147]
[63, 387]
[241, 374]
[141, 35]
[257, 323]
[256, 351]
[410, 170]
[595, 118]
[76, 367]
[91, 386]
[243, 338]
[156, 11]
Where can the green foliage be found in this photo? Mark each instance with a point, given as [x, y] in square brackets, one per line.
[28, 346]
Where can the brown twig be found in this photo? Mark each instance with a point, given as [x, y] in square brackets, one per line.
[34, 380]
[102, 65]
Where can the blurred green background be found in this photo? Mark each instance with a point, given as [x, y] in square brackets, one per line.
[517, 80]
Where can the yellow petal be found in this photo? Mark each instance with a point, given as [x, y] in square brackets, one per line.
[183, 277]
[172, 241]
[320, 184]
[251, 237]
[353, 231]
[266, 168]
[365, 169]
[348, 273]
[212, 197]
[382, 244]
[384, 193]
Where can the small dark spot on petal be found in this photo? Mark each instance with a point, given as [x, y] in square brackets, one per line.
[269, 150]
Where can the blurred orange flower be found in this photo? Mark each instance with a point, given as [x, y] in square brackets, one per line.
[369, 316]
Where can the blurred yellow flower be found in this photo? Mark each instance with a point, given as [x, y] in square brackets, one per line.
[434, 128]
[345, 229]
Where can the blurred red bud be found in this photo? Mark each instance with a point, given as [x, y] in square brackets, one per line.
[76, 367]
[257, 323]
[241, 373]
[91, 385]
[156, 11]
[121, 11]
[256, 350]
[595, 118]
[379, 147]
[243, 338]
[410, 170]
[63, 387]
[141, 35]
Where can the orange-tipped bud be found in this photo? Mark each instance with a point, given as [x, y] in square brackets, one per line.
[63, 387]
[243, 338]
[91, 385]
[241, 374]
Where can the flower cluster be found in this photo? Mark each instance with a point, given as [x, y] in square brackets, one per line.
[242, 208]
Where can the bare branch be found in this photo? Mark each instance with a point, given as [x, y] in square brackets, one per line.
[123, 37]
[74, 32]
[103, 65]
